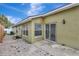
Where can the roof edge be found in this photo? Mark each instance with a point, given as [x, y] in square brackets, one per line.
[51, 12]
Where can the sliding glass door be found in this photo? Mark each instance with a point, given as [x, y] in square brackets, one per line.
[50, 31]
[47, 31]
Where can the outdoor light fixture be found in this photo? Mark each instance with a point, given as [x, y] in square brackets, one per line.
[64, 21]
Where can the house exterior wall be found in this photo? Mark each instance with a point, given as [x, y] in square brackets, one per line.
[14, 29]
[28, 37]
[67, 33]
[36, 21]
[17, 30]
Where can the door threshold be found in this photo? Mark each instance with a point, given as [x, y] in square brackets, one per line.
[50, 41]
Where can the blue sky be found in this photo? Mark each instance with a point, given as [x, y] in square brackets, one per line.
[16, 12]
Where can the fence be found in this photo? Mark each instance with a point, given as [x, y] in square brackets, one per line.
[1, 32]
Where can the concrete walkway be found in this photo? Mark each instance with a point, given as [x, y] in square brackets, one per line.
[19, 47]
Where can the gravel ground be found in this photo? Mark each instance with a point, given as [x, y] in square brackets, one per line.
[19, 47]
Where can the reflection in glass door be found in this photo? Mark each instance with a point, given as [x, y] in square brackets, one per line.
[47, 31]
[50, 31]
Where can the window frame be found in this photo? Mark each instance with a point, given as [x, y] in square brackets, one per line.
[24, 30]
[40, 34]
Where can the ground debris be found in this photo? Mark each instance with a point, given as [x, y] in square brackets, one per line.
[19, 47]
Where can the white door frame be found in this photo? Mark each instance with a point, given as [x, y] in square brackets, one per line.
[49, 30]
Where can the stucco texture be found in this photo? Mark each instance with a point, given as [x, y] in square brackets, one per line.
[67, 33]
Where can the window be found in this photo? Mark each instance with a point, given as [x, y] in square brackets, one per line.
[38, 29]
[25, 30]
[16, 30]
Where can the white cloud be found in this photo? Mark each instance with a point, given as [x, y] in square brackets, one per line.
[35, 8]
[22, 3]
[13, 19]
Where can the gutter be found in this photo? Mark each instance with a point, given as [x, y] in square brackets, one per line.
[49, 13]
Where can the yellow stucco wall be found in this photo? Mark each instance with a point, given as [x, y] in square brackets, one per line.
[18, 28]
[28, 37]
[14, 29]
[31, 32]
[67, 33]
[35, 21]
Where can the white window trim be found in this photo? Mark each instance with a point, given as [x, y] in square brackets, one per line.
[41, 30]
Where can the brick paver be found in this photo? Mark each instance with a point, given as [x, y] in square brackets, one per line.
[19, 47]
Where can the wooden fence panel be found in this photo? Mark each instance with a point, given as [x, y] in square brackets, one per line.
[1, 33]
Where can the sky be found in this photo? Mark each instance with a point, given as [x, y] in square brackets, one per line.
[16, 12]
